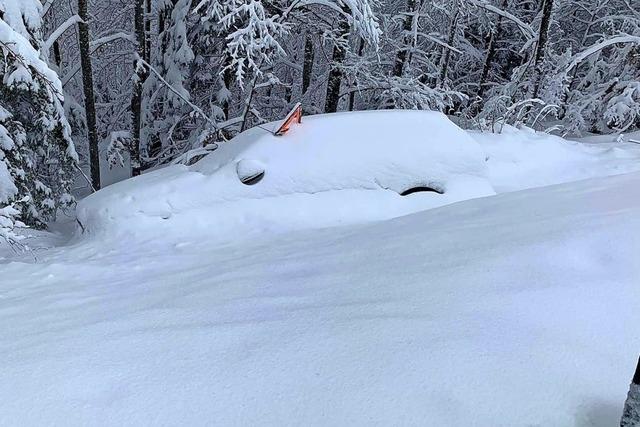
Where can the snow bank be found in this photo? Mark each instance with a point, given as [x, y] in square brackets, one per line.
[333, 169]
[517, 310]
[524, 158]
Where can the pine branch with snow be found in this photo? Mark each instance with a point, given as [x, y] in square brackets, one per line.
[35, 143]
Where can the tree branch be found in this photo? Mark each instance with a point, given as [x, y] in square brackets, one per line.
[598, 47]
[59, 31]
[525, 28]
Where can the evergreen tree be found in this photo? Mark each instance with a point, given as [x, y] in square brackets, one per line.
[37, 155]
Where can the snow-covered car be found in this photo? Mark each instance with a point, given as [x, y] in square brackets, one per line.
[329, 170]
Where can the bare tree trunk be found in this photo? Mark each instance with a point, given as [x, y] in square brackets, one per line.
[407, 24]
[352, 94]
[89, 97]
[574, 73]
[141, 75]
[446, 52]
[57, 56]
[307, 65]
[541, 45]
[631, 413]
[162, 19]
[147, 30]
[496, 34]
[227, 79]
[287, 87]
[247, 105]
[163, 16]
[335, 74]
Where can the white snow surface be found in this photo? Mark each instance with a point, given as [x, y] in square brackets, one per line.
[523, 158]
[517, 309]
[334, 169]
[513, 310]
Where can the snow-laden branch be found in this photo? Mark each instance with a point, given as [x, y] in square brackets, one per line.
[438, 41]
[94, 44]
[598, 47]
[23, 52]
[59, 31]
[28, 57]
[45, 8]
[325, 3]
[359, 14]
[525, 28]
[180, 95]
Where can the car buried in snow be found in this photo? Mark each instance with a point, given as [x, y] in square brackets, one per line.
[331, 169]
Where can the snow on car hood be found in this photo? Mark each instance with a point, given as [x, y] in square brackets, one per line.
[330, 170]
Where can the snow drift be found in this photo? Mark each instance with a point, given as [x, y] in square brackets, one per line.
[522, 158]
[508, 311]
[332, 169]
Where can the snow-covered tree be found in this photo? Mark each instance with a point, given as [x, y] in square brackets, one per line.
[251, 32]
[37, 154]
[600, 78]
[165, 111]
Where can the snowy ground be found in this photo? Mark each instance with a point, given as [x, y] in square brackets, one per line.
[518, 309]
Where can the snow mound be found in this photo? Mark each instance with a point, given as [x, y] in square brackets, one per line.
[332, 169]
[523, 158]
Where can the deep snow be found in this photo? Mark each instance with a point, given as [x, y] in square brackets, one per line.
[519, 309]
[513, 310]
[523, 158]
